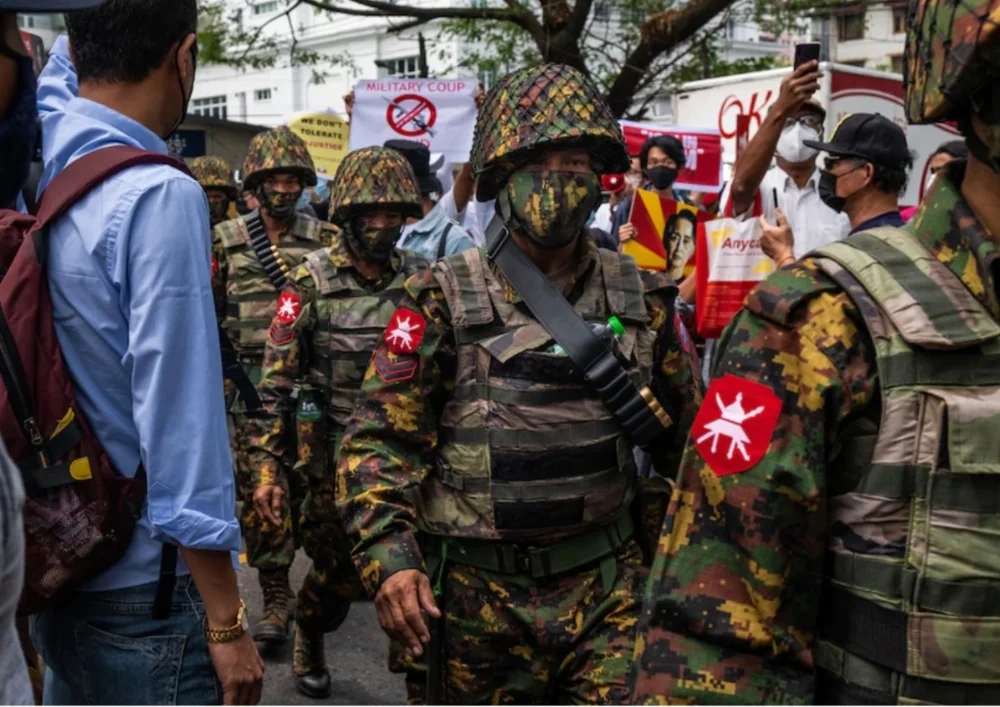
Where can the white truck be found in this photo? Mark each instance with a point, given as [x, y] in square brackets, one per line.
[715, 103]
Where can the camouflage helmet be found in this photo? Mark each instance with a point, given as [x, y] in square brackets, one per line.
[278, 150]
[537, 108]
[374, 177]
[214, 173]
[952, 52]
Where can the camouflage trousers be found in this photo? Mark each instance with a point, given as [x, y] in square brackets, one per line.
[332, 582]
[268, 547]
[556, 640]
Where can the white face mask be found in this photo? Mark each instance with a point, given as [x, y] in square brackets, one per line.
[930, 181]
[791, 147]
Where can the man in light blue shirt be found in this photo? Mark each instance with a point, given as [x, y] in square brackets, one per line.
[436, 234]
[129, 273]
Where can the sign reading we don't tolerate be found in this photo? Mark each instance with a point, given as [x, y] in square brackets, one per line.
[440, 113]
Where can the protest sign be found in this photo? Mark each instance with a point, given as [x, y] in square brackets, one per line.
[325, 134]
[730, 263]
[665, 233]
[440, 113]
[702, 150]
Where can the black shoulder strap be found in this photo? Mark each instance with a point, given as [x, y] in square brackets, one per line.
[234, 371]
[637, 412]
[443, 243]
[276, 270]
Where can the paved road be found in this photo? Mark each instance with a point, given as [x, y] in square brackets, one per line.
[356, 655]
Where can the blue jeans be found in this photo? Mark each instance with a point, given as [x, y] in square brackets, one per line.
[104, 648]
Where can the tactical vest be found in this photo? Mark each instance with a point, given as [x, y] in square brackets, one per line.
[350, 323]
[912, 595]
[251, 297]
[527, 451]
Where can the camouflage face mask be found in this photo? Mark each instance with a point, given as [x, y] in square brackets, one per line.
[279, 205]
[549, 207]
[373, 243]
[218, 211]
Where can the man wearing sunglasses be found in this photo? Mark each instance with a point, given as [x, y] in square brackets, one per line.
[866, 171]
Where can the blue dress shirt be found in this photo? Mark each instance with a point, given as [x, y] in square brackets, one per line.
[424, 237]
[129, 272]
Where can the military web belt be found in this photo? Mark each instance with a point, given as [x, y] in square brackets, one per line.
[636, 411]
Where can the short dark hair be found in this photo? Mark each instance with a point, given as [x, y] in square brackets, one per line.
[670, 145]
[955, 148]
[890, 179]
[123, 41]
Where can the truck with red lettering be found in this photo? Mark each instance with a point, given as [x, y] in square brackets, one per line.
[716, 103]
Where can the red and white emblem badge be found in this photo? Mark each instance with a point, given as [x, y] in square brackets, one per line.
[289, 307]
[405, 331]
[733, 428]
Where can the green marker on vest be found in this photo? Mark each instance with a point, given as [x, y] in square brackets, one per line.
[613, 329]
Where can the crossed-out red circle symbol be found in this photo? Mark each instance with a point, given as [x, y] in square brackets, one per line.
[411, 115]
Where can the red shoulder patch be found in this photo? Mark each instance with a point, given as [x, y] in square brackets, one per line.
[215, 266]
[405, 331]
[392, 368]
[289, 308]
[733, 428]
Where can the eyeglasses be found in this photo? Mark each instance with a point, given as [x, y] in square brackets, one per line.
[809, 121]
[832, 162]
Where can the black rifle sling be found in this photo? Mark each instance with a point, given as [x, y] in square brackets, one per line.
[637, 411]
[268, 256]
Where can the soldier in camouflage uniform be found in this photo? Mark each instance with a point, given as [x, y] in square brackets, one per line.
[330, 317]
[833, 535]
[480, 461]
[251, 258]
[216, 178]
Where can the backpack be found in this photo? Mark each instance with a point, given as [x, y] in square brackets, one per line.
[79, 514]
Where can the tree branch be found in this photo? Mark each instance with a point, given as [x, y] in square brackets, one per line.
[578, 20]
[388, 9]
[660, 33]
[256, 35]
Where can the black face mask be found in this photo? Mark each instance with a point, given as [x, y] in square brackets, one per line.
[18, 130]
[828, 191]
[185, 97]
[662, 177]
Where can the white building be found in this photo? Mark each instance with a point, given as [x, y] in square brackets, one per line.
[47, 27]
[270, 96]
[871, 36]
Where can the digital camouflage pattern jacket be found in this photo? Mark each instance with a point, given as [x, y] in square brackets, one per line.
[328, 321]
[245, 297]
[392, 450]
[737, 607]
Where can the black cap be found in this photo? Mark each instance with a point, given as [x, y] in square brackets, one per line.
[868, 136]
[419, 158]
[42, 6]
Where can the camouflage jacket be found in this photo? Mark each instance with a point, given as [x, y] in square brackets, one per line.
[315, 361]
[391, 443]
[732, 606]
[244, 295]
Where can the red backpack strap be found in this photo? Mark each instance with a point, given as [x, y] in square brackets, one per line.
[82, 176]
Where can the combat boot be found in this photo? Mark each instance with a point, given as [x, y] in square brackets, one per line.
[312, 678]
[273, 625]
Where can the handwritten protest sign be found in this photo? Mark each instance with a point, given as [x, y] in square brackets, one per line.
[325, 134]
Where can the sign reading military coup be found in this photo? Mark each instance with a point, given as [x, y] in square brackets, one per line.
[440, 113]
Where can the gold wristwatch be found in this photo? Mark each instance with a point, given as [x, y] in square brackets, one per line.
[228, 635]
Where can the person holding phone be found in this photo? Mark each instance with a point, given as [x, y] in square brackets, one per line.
[791, 186]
